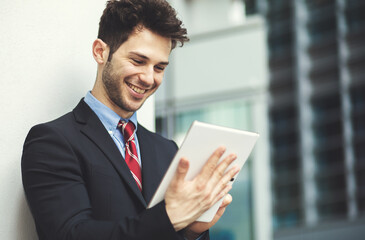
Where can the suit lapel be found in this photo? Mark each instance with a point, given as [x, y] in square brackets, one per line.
[152, 172]
[95, 131]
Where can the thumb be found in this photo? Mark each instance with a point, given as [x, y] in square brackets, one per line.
[182, 170]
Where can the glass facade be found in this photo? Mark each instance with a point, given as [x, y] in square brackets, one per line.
[207, 81]
[236, 223]
[316, 116]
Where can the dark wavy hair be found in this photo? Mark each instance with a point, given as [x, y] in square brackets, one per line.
[120, 18]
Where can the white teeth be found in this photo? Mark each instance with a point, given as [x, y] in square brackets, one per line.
[136, 89]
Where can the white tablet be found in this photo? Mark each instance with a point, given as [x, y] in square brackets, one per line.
[200, 142]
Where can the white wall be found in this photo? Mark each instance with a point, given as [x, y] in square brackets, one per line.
[222, 61]
[201, 16]
[46, 67]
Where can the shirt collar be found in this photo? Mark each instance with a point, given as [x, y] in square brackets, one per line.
[108, 117]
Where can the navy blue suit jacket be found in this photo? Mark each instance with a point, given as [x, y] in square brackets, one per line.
[78, 185]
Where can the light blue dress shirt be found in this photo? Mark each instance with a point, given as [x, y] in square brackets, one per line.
[110, 121]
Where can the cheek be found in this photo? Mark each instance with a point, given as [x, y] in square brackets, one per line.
[125, 71]
[158, 80]
[128, 70]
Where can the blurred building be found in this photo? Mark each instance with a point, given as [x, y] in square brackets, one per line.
[292, 70]
[316, 117]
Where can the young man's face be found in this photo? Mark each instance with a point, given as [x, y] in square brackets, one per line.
[135, 71]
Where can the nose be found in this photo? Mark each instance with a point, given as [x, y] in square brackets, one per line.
[147, 77]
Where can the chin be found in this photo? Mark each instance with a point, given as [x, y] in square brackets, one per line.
[133, 107]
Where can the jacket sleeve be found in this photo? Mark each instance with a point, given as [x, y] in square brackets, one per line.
[58, 199]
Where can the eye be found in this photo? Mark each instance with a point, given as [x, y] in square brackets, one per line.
[160, 68]
[137, 61]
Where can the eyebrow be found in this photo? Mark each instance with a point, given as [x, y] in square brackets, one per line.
[146, 58]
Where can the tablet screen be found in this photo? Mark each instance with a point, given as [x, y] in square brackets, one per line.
[200, 142]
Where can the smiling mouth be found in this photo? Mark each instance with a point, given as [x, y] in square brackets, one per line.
[136, 89]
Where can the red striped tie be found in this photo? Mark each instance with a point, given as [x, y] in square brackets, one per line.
[131, 156]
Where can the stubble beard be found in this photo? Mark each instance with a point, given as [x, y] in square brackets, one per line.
[111, 84]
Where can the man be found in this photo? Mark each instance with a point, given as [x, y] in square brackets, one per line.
[91, 173]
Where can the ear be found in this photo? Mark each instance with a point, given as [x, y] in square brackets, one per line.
[100, 51]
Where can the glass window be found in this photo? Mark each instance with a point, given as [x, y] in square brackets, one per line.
[235, 114]
[236, 222]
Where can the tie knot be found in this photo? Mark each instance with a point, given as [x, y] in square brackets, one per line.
[127, 130]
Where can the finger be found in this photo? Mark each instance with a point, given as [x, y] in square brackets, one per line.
[222, 188]
[220, 177]
[220, 212]
[226, 201]
[181, 171]
[211, 164]
[221, 168]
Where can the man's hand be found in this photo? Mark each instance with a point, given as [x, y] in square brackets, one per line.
[196, 228]
[188, 200]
